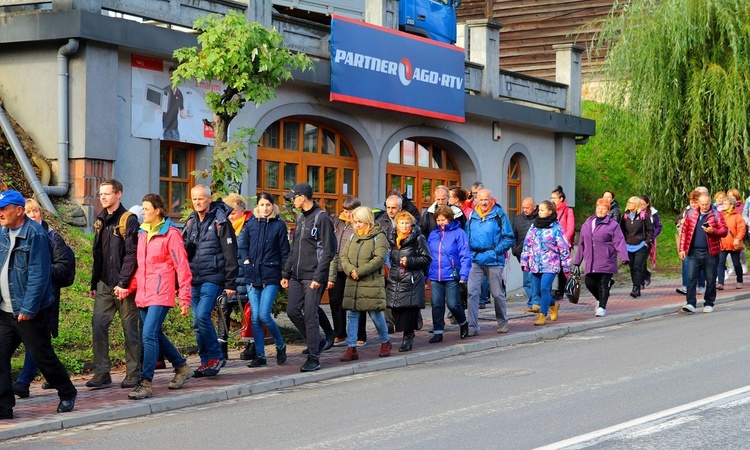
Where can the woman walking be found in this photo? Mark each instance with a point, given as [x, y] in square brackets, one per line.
[600, 243]
[639, 235]
[162, 265]
[264, 250]
[449, 269]
[652, 214]
[732, 244]
[362, 259]
[546, 252]
[405, 289]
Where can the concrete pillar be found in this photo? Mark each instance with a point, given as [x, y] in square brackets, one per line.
[383, 13]
[259, 11]
[568, 71]
[484, 48]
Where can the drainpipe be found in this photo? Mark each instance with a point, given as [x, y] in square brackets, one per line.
[15, 144]
[63, 144]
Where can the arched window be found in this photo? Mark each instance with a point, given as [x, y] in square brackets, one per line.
[514, 187]
[416, 166]
[295, 151]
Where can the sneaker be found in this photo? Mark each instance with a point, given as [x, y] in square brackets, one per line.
[681, 290]
[213, 366]
[744, 268]
[473, 333]
[688, 308]
[708, 309]
[730, 271]
[482, 306]
[260, 361]
[600, 312]
[99, 381]
[21, 390]
[310, 365]
[502, 329]
[141, 391]
[339, 342]
[739, 286]
[181, 375]
[199, 371]
[701, 290]
[281, 355]
[130, 382]
[385, 349]
[361, 343]
[249, 353]
[46, 385]
[719, 286]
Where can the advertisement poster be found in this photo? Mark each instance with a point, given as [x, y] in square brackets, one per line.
[165, 113]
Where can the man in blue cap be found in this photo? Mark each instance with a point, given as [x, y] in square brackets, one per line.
[25, 294]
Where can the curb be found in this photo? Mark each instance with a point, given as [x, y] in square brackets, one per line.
[156, 405]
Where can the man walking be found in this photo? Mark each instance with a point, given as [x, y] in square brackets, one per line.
[521, 225]
[306, 271]
[441, 194]
[490, 237]
[115, 245]
[25, 294]
[212, 251]
[700, 243]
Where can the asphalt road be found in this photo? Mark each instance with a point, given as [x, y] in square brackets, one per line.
[676, 381]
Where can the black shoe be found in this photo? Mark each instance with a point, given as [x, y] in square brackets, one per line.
[636, 292]
[322, 346]
[249, 353]
[420, 321]
[224, 350]
[21, 390]
[436, 338]
[130, 382]
[305, 352]
[260, 361]
[407, 343]
[391, 328]
[281, 355]
[99, 381]
[6, 414]
[46, 385]
[66, 406]
[464, 330]
[310, 365]
[329, 341]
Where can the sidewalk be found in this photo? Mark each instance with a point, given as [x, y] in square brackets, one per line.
[37, 413]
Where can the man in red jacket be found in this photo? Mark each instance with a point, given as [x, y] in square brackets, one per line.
[700, 242]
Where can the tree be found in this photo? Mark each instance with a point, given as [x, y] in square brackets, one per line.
[251, 61]
[678, 75]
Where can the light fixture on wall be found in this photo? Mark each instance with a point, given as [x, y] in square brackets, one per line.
[497, 133]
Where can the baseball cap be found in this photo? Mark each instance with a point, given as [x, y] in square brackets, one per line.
[11, 197]
[300, 189]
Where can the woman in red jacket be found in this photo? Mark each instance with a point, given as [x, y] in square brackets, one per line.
[161, 258]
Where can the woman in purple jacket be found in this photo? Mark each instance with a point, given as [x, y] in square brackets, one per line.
[451, 262]
[600, 242]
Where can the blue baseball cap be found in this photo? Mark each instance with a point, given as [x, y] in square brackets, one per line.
[11, 197]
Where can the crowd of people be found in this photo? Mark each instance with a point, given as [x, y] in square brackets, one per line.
[379, 262]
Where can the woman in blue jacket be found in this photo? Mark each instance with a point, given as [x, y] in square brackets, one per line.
[264, 250]
[451, 263]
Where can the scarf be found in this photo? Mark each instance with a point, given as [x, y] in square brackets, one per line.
[400, 237]
[481, 213]
[152, 230]
[363, 231]
[545, 222]
[238, 224]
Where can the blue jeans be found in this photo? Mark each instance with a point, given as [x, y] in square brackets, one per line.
[352, 327]
[445, 292]
[722, 263]
[203, 301]
[697, 260]
[533, 297]
[29, 370]
[541, 283]
[701, 278]
[154, 341]
[261, 302]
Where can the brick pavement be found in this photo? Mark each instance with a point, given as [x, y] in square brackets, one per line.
[37, 413]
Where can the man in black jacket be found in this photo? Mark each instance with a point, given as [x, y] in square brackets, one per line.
[521, 225]
[212, 251]
[114, 266]
[427, 223]
[306, 271]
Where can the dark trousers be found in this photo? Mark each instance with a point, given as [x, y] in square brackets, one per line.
[598, 284]
[35, 336]
[697, 260]
[106, 305]
[735, 260]
[638, 265]
[338, 315]
[303, 309]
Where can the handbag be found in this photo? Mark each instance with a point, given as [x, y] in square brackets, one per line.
[573, 285]
[738, 247]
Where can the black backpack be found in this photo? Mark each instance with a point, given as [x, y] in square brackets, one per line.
[66, 278]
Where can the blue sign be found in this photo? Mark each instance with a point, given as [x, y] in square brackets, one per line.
[388, 69]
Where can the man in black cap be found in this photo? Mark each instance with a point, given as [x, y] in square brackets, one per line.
[25, 295]
[306, 271]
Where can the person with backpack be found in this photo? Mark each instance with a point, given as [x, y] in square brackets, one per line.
[305, 274]
[115, 244]
[63, 275]
[211, 247]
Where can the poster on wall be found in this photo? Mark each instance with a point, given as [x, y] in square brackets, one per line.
[162, 112]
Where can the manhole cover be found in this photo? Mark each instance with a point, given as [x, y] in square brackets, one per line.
[497, 373]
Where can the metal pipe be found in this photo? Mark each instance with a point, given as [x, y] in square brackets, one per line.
[63, 120]
[23, 160]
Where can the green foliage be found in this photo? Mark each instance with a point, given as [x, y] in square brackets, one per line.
[227, 164]
[679, 73]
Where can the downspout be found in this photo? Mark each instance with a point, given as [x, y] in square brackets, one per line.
[63, 120]
[23, 160]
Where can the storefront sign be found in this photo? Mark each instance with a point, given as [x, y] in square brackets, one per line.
[388, 69]
[162, 112]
